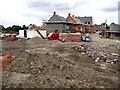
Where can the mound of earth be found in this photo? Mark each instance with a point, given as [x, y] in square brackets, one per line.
[56, 68]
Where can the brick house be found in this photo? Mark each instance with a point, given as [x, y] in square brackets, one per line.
[74, 22]
[97, 27]
[86, 20]
[56, 22]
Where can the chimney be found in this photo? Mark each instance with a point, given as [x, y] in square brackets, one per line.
[68, 14]
[54, 13]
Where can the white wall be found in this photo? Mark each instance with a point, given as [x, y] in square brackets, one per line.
[21, 33]
[33, 33]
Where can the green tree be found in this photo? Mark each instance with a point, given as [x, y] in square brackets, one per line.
[103, 24]
[24, 27]
[15, 28]
[8, 29]
[2, 29]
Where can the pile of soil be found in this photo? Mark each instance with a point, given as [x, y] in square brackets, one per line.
[56, 68]
[38, 40]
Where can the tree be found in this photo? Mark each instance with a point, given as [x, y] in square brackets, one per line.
[16, 28]
[24, 27]
[2, 28]
[103, 24]
[8, 29]
[13, 29]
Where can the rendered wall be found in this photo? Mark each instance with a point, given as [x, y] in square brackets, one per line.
[33, 33]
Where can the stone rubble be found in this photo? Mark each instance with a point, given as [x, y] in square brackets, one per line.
[98, 53]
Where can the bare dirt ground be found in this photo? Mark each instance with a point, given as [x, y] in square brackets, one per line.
[97, 39]
[52, 64]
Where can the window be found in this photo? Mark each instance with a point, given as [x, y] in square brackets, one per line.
[88, 22]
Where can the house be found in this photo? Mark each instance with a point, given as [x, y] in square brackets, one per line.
[114, 31]
[114, 27]
[86, 20]
[43, 27]
[74, 23]
[35, 31]
[32, 31]
[56, 22]
[96, 28]
[73, 20]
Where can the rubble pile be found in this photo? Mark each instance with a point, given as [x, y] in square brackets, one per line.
[98, 53]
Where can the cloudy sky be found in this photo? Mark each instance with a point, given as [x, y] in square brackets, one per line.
[20, 12]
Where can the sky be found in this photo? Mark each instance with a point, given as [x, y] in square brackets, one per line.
[25, 12]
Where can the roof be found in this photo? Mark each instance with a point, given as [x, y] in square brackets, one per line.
[77, 20]
[55, 22]
[85, 19]
[71, 19]
[57, 18]
[33, 27]
[44, 26]
[61, 18]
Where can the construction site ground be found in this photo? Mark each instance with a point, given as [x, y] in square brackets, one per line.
[38, 63]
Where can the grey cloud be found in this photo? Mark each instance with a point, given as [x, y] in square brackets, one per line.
[40, 5]
[61, 7]
[48, 6]
[65, 6]
[111, 9]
